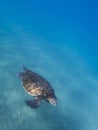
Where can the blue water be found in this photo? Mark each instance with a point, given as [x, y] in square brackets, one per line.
[59, 40]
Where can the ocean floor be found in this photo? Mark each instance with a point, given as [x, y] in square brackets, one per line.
[75, 85]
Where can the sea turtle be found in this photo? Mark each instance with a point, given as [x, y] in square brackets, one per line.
[35, 85]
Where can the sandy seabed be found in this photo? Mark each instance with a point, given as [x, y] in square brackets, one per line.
[75, 86]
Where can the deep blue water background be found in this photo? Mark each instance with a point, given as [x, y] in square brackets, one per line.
[59, 40]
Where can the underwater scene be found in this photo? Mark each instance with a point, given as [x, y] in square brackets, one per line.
[59, 41]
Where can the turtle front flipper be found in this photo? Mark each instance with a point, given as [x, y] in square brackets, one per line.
[33, 103]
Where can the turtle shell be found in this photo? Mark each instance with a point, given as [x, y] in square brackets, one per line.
[34, 84]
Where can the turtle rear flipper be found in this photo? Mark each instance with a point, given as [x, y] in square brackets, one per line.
[25, 69]
[33, 103]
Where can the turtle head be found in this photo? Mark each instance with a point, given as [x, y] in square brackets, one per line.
[52, 99]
